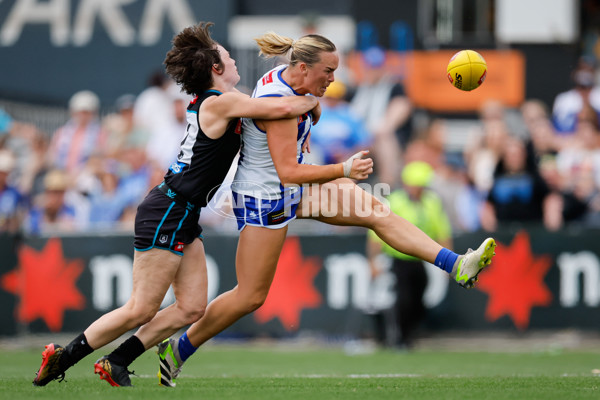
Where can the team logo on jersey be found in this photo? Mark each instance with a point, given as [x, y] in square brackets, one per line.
[163, 239]
[176, 167]
[268, 79]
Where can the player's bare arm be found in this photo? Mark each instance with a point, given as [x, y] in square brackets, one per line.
[240, 105]
[217, 111]
[283, 148]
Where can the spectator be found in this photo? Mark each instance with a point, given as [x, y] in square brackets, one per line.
[429, 145]
[532, 111]
[56, 209]
[80, 137]
[163, 146]
[387, 111]
[121, 128]
[34, 160]
[339, 133]
[12, 203]
[583, 149]
[159, 111]
[108, 203]
[567, 105]
[461, 200]
[483, 153]
[137, 176]
[578, 165]
[518, 194]
[451, 181]
[423, 208]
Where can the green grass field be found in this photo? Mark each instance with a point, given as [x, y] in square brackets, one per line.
[295, 372]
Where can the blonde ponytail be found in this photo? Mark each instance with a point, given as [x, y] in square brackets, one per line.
[307, 49]
[273, 45]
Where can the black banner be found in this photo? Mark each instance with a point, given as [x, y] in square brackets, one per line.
[538, 280]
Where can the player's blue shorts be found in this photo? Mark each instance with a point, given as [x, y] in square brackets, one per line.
[272, 214]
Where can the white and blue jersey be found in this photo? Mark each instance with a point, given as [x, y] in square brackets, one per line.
[256, 181]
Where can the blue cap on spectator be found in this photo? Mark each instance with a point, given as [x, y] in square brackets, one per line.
[374, 56]
[5, 122]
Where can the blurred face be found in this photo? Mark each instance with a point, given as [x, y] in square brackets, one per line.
[515, 156]
[542, 135]
[83, 117]
[492, 110]
[54, 200]
[229, 72]
[495, 135]
[320, 75]
[414, 192]
[180, 110]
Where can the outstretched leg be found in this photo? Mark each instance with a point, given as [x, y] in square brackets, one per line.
[342, 202]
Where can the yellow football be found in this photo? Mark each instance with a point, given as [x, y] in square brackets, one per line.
[467, 70]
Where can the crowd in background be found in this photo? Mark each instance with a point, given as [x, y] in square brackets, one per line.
[539, 163]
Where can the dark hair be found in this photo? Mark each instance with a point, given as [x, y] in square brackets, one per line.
[190, 60]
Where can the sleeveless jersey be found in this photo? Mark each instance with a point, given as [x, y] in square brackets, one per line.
[256, 175]
[203, 163]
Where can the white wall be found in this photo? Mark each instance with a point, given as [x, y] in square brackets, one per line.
[537, 21]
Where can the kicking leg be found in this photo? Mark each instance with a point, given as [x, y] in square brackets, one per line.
[342, 202]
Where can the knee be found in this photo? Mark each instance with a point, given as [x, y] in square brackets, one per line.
[141, 314]
[379, 218]
[256, 301]
[252, 302]
[189, 315]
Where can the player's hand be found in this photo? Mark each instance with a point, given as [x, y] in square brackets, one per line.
[357, 167]
[306, 145]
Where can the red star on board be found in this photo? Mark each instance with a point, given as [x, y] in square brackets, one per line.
[515, 282]
[45, 283]
[292, 289]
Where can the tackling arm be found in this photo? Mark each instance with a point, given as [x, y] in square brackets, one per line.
[239, 105]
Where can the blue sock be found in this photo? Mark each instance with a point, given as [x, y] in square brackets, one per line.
[186, 349]
[445, 259]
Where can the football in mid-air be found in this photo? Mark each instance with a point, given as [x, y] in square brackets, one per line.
[467, 70]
